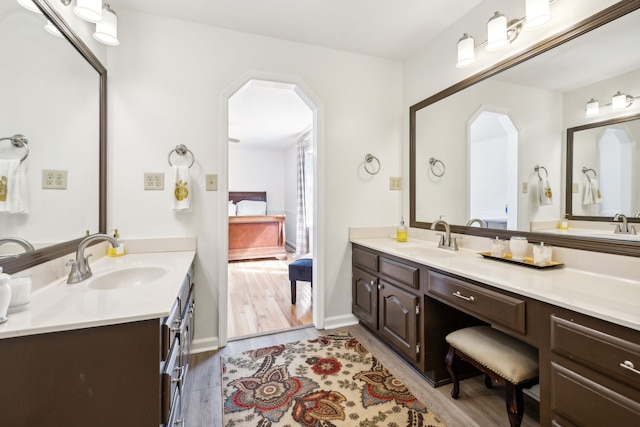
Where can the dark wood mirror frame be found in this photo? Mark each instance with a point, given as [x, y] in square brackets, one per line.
[49, 253]
[597, 244]
[569, 175]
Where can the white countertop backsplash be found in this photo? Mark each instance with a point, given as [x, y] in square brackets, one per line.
[56, 306]
[601, 285]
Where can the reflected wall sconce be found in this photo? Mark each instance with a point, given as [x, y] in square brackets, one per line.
[107, 29]
[619, 101]
[30, 6]
[89, 10]
[501, 31]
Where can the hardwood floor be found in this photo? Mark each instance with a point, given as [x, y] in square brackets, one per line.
[260, 298]
[476, 406]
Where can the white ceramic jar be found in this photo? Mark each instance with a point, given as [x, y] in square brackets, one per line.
[518, 246]
[5, 295]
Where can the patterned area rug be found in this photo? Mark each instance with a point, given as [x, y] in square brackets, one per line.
[327, 381]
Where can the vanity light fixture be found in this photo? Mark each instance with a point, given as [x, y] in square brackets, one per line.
[89, 10]
[619, 101]
[107, 29]
[593, 108]
[52, 29]
[501, 31]
[29, 5]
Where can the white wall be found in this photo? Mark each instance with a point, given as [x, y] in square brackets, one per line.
[166, 80]
[433, 69]
[253, 169]
[291, 193]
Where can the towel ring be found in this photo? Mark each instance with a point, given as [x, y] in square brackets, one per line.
[537, 169]
[181, 150]
[368, 159]
[19, 140]
[586, 171]
[433, 166]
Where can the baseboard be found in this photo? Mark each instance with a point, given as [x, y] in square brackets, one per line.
[205, 344]
[340, 321]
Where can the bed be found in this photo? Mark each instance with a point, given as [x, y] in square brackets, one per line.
[257, 235]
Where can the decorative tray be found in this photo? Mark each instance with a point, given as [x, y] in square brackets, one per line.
[528, 261]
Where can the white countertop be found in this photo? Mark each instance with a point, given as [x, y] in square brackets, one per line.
[605, 297]
[60, 307]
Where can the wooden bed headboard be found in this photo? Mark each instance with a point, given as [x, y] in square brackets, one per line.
[236, 196]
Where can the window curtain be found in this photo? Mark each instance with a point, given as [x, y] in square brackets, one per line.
[302, 240]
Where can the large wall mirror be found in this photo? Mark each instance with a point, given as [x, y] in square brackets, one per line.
[490, 146]
[54, 93]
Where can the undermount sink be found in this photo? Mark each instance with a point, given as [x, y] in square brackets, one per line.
[422, 251]
[126, 277]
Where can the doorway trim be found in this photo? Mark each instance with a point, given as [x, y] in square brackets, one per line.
[317, 108]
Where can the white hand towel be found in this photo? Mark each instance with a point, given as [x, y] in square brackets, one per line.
[587, 195]
[595, 190]
[544, 191]
[182, 189]
[13, 195]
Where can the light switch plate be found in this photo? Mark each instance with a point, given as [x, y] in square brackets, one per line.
[54, 179]
[212, 182]
[153, 181]
[395, 183]
[525, 187]
[575, 187]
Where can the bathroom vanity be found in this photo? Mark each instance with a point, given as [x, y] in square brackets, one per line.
[104, 352]
[586, 327]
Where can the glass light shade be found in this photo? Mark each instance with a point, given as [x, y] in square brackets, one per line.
[537, 13]
[619, 101]
[466, 51]
[89, 10]
[29, 5]
[52, 29]
[107, 29]
[497, 32]
[593, 108]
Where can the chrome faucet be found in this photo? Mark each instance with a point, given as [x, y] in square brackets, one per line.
[478, 221]
[446, 242]
[623, 228]
[28, 247]
[80, 269]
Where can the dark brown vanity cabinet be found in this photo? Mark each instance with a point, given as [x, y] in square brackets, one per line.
[386, 299]
[592, 369]
[101, 376]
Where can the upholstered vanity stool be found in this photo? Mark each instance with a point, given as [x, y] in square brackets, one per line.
[500, 357]
[300, 269]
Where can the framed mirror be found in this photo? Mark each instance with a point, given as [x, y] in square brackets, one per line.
[55, 93]
[528, 102]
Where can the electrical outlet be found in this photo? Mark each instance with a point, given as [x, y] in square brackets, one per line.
[212, 182]
[575, 187]
[395, 183]
[525, 187]
[153, 181]
[54, 179]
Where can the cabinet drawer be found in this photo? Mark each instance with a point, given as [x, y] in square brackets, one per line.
[489, 305]
[580, 401]
[401, 273]
[170, 328]
[172, 376]
[604, 353]
[183, 295]
[365, 259]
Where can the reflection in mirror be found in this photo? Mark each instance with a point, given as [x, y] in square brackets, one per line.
[53, 91]
[542, 92]
[605, 160]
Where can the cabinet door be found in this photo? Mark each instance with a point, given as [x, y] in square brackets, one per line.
[365, 297]
[398, 321]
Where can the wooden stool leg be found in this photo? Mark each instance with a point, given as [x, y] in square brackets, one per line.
[515, 404]
[451, 363]
[293, 292]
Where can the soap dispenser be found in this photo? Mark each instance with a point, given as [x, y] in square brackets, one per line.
[119, 251]
[401, 232]
[5, 295]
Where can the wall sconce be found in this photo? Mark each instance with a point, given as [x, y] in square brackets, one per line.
[501, 32]
[89, 10]
[619, 101]
[107, 29]
[30, 6]
[52, 29]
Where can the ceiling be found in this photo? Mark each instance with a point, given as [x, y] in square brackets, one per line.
[393, 29]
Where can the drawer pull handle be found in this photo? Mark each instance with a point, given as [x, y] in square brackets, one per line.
[179, 327]
[179, 422]
[180, 377]
[628, 365]
[457, 294]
